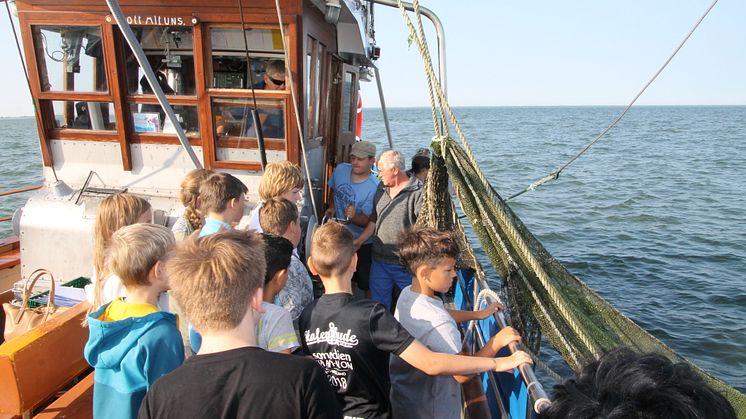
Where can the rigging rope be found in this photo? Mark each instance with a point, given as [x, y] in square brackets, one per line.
[294, 96]
[555, 174]
[20, 55]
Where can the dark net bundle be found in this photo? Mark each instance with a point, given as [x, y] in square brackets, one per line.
[543, 297]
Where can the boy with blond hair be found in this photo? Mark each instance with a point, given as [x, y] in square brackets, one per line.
[352, 339]
[280, 217]
[280, 180]
[275, 329]
[131, 342]
[222, 200]
[430, 256]
[217, 281]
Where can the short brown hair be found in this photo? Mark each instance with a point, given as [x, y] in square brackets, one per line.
[427, 246]
[217, 190]
[214, 277]
[332, 249]
[279, 177]
[276, 215]
[133, 250]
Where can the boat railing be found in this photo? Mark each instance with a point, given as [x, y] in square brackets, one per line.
[516, 395]
[16, 191]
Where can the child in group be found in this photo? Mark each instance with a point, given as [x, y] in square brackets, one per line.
[131, 343]
[217, 280]
[280, 180]
[114, 212]
[191, 220]
[352, 338]
[430, 255]
[280, 217]
[222, 201]
[275, 330]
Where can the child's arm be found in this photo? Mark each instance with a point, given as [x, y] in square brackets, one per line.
[461, 316]
[435, 363]
[504, 338]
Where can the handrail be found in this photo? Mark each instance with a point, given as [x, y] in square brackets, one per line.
[21, 190]
[535, 389]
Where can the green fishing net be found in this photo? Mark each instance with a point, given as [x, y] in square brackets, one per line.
[543, 297]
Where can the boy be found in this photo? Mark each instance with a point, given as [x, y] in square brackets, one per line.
[353, 187]
[223, 200]
[217, 281]
[279, 216]
[352, 338]
[430, 255]
[275, 329]
[131, 342]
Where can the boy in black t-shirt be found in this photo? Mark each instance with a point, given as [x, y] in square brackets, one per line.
[352, 338]
[217, 280]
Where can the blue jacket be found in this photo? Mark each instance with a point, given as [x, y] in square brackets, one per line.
[128, 356]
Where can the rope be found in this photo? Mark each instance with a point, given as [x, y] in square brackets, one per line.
[555, 174]
[294, 96]
[563, 309]
[20, 54]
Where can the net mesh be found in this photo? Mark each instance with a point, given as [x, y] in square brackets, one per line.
[543, 297]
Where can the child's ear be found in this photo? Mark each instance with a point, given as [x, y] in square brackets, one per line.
[312, 266]
[256, 300]
[281, 278]
[156, 272]
[353, 262]
[423, 271]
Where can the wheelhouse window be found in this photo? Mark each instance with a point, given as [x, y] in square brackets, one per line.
[236, 131]
[70, 58]
[170, 52]
[149, 118]
[84, 115]
[229, 65]
[237, 85]
[347, 95]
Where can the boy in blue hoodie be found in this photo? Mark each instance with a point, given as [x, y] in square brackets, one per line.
[131, 343]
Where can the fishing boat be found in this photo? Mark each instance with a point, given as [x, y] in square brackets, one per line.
[132, 95]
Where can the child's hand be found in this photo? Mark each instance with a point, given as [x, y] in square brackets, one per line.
[350, 211]
[508, 363]
[505, 337]
[489, 310]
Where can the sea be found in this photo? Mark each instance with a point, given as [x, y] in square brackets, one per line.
[653, 217]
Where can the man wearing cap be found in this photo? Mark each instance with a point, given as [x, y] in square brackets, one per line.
[352, 189]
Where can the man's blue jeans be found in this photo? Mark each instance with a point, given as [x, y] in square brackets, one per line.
[383, 277]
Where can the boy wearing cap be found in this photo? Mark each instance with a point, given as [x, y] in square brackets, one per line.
[352, 190]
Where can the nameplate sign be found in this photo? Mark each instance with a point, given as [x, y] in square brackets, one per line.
[158, 20]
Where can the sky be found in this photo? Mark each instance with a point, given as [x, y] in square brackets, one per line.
[538, 53]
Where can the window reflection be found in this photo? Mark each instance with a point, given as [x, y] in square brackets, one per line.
[170, 52]
[97, 116]
[150, 118]
[233, 117]
[70, 58]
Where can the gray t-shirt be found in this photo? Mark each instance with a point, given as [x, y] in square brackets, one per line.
[415, 394]
[275, 331]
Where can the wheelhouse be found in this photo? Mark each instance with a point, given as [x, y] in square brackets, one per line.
[101, 127]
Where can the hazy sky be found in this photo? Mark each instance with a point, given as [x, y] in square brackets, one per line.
[577, 52]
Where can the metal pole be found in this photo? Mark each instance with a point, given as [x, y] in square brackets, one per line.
[129, 36]
[383, 107]
[439, 32]
[535, 389]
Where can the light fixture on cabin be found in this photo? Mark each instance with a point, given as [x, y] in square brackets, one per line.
[333, 7]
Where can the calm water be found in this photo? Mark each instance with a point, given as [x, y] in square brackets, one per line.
[652, 218]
